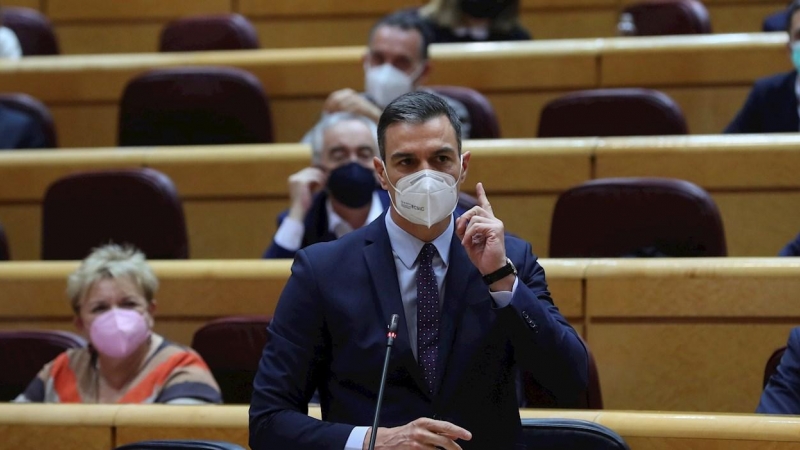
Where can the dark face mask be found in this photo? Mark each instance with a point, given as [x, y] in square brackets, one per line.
[483, 9]
[352, 184]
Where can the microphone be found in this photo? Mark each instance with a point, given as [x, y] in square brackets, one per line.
[390, 335]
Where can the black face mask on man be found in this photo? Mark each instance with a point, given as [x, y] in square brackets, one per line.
[352, 184]
[483, 9]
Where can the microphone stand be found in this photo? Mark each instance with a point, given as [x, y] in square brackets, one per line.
[389, 344]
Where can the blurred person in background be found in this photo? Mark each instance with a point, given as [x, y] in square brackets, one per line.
[9, 44]
[112, 294]
[473, 21]
[773, 103]
[396, 62]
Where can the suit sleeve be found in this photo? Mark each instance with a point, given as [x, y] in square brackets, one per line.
[792, 248]
[545, 345]
[748, 119]
[290, 365]
[782, 394]
[275, 250]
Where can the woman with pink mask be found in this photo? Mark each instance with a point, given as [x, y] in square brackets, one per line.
[112, 295]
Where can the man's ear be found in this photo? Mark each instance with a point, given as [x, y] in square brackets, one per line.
[465, 157]
[380, 172]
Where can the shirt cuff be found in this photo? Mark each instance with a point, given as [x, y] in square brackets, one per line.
[356, 439]
[503, 298]
[290, 234]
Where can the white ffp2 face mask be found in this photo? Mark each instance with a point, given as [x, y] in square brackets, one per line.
[426, 197]
[385, 83]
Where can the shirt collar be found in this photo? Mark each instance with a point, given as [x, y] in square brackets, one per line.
[407, 247]
[339, 227]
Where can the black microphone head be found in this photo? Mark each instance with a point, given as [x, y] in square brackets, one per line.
[393, 323]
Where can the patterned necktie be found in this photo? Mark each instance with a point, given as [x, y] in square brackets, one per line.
[427, 316]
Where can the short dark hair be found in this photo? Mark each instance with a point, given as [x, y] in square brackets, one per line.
[416, 107]
[793, 8]
[406, 20]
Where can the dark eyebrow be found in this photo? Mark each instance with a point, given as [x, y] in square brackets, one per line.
[444, 151]
[397, 156]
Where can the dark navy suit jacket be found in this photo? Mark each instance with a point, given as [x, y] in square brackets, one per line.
[329, 333]
[18, 131]
[776, 22]
[782, 394]
[771, 107]
[792, 248]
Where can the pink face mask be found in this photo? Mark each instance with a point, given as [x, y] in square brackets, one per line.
[118, 332]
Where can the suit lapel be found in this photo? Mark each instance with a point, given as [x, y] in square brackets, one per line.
[383, 272]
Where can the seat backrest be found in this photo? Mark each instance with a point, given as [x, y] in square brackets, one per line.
[180, 444]
[5, 254]
[483, 119]
[194, 106]
[34, 31]
[612, 112]
[772, 364]
[24, 353]
[538, 397]
[618, 217]
[208, 32]
[34, 109]
[570, 434]
[232, 347]
[135, 206]
[666, 17]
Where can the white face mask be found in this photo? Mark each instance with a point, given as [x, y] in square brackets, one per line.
[426, 197]
[385, 83]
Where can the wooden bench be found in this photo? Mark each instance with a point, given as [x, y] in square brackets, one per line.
[709, 76]
[669, 334]
[96, 26]
[78, 427]
[232, 194]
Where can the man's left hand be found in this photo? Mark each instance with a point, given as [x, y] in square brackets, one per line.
[482, 235]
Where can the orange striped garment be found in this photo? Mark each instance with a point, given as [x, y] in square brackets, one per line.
[170, 373]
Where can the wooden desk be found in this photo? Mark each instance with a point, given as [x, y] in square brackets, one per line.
[709, 76]
[33, 426]
[95, 26]
[671, 334]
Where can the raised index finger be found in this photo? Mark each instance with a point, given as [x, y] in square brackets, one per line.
[483, 201]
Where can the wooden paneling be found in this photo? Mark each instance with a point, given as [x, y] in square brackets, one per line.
[269, 8]
[759, 223]
[331, 31]
[104, 38]
[735, 18]
[33, 4]
[570, 24]
[70, 427]
[86, 10]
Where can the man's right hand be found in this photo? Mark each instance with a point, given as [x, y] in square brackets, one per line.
[302, 186]
[421, 433]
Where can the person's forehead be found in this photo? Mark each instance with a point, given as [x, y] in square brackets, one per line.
[347, 131]
[396, 39]
[432, 134]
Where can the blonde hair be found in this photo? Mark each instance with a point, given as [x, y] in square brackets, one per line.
[447, 14]
[111, 261]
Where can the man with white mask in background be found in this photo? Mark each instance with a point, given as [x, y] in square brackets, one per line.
[396, 63]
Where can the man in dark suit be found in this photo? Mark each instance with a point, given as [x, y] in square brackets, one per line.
[782, 393]
[772, 106]
[337, 193]
[18, 131]
[473, 305]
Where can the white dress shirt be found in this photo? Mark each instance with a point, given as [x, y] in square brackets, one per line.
[290, 232]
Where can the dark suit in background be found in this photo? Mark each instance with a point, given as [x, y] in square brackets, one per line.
[792, 248]
[18, 131]
[329, 332]
[776, 22]
[782, 394]
[771, 107]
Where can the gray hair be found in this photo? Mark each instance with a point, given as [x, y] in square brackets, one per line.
[111, 261]
[316, 135]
